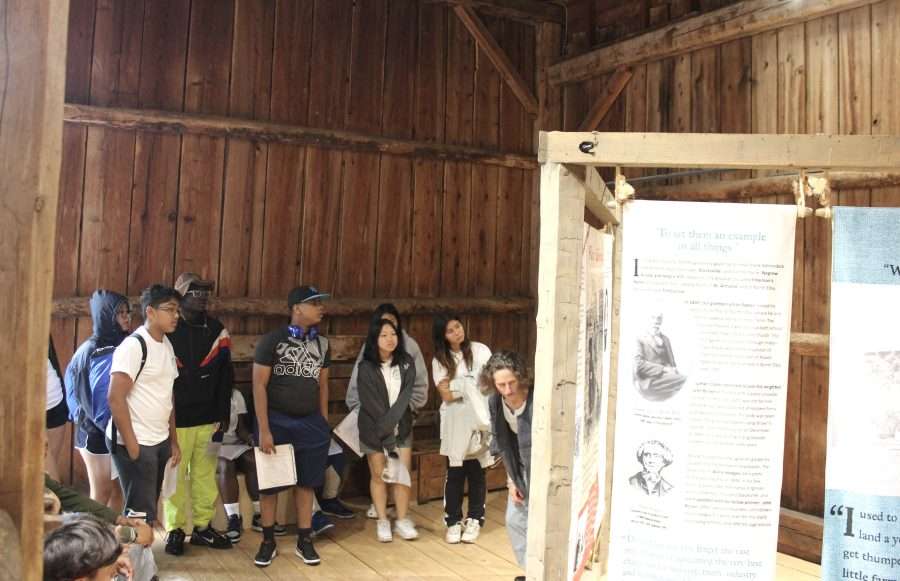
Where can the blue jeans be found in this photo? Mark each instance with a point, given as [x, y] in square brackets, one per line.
[517, 528]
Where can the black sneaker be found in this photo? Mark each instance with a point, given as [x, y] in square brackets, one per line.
[256, 525]
[175, 542]
[235, 528]
[307, 552]
[266, 554]
[334, 507]
[209, 537]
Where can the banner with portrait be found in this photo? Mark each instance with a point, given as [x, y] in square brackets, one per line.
[591, 399]
[702, 381]
[862, 478]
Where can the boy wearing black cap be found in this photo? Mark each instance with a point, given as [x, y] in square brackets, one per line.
[290, 390]
[202, 394]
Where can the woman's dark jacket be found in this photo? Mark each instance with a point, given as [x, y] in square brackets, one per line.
[377, 419]
[515, 449]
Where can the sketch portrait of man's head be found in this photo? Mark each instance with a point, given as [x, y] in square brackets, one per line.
[654, 457]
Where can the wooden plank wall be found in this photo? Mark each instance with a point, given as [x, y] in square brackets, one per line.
[832, 75]
[260, 218]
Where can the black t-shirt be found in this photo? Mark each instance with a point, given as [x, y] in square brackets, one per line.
[293, 387]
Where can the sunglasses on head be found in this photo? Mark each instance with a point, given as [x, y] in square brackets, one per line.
[198, 293]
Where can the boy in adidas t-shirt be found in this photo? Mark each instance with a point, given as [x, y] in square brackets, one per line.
[142, 374]
[290, 392]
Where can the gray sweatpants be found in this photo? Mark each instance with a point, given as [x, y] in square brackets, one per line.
[141, 479]
[517, 528]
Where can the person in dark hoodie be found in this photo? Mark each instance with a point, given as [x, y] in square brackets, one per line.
[87, 385]
[202, 394]
[505, 377]
[387, 376]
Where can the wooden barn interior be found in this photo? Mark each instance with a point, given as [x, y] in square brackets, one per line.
[386, 150]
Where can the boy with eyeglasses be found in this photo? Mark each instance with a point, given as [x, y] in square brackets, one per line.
[141, 436]
[202, 404]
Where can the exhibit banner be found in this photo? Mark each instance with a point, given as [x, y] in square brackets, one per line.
[704, 341]
[591, 399]
[862, 477]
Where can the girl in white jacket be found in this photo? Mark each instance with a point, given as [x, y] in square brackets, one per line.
[465, 425]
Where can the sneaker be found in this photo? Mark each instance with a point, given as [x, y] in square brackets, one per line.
[266, 554]
[210, 537]
[383, 531]
[406, 528]
[320, 523]
[235, 528]
[454, 534]
[307, 552]
[256, 525]
[334, 507]
[473, 529]
[175, 542]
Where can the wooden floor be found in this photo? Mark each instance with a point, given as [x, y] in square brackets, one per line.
[350, 553]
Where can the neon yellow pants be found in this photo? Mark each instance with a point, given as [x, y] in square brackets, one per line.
[196, 480]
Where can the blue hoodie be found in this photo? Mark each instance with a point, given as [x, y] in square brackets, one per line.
[87, 376]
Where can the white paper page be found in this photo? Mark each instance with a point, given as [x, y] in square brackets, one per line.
[278, 469]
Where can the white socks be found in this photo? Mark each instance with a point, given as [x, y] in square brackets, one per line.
[233, 509]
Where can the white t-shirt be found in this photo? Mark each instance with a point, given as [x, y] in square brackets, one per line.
[480, 356]
[238, 407]
[150, 400]
[512, 416]
[392, 380]
[54, 387]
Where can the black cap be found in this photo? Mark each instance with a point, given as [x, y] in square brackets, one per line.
[303, 294]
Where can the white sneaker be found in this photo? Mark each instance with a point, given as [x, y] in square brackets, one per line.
[406, 528]
[454, 533]
[384, 531]
[473, 529]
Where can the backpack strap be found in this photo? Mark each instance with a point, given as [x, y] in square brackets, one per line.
[143, 343]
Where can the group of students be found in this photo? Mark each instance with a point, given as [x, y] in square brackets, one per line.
[164, 395]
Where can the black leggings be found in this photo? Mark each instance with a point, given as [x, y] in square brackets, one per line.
[454, 486]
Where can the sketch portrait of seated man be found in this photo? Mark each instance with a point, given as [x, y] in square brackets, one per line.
[656, 376]
[654, 456]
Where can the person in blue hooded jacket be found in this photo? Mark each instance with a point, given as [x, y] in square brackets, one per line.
[87, 384]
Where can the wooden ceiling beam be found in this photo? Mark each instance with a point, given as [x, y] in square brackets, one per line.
[181, 123]
[497, 55]
[528, 11]
[611, 92]
[723, 150]
[739, 20]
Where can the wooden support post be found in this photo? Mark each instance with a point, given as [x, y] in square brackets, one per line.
[550, 491]
[611, 93]
[504, 66]
[602, 552]
[598, 198]
[32, 78]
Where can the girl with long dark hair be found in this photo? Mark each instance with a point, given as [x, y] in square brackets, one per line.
[465, 425]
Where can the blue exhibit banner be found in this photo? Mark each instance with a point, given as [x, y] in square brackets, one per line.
[862, 498]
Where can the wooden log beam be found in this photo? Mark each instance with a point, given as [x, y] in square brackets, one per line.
[251, 307]
[722, 150]
[527, 11]
[32, 88]
[237, 128]
[739, 190]
[739, 20]
[341, 347]
[497, 55]
[611, 92]
[597, 196]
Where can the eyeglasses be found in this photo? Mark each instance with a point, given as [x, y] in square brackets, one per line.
[170, 310]
[200, 294]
